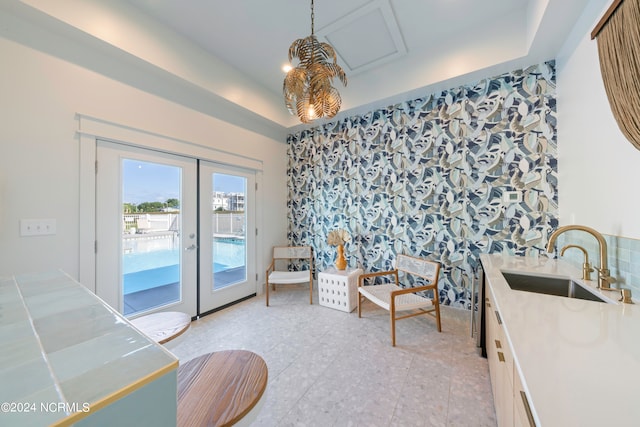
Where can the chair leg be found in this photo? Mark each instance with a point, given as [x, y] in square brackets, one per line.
[392, 314]
[359, 305]
[437, 305]
[267, 292]
[311, 292]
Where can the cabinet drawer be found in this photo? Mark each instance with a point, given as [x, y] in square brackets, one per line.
[522, 414]
[500, 364]
[498, 341]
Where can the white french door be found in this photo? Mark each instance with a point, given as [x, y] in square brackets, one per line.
[146, 230]
[227, 235]
[156, 250]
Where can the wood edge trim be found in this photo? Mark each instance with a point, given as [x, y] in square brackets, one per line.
[605, 18]
[176, 335]
[116, 395]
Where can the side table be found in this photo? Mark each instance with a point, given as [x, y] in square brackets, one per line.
[222, 388]
[339, 288]
[163, 327]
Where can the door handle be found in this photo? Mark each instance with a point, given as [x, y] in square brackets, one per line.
[190, 248]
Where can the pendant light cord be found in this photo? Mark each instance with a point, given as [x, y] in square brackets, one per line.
[312, 16]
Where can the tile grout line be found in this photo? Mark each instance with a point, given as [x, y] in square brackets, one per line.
[56, 381]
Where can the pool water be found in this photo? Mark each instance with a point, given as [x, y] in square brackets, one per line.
[146, 270]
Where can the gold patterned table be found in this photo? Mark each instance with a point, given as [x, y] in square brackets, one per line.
[220, 388]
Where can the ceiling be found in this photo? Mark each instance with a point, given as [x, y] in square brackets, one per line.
[386, 47]
[391, 50]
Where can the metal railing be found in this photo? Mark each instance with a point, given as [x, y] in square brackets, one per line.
[231, 224]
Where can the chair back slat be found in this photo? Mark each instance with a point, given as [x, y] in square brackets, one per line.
[291, 252]
[420, 267]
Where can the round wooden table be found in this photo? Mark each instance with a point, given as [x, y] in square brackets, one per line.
[220, 388]
[163, 327]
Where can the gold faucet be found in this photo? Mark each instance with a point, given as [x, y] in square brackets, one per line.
[604, 280]
[586, 266]
[626, 296]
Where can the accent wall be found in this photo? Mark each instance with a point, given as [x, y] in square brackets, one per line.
[449, 176]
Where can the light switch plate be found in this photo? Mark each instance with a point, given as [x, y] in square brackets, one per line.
[509, 197]
[37, 227]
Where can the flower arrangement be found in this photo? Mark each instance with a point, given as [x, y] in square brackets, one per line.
[338, 237]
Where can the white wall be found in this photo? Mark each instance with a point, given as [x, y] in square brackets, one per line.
[599, 170]
[39, 152]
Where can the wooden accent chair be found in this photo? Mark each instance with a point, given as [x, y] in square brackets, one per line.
[393, 298]
[280, 277]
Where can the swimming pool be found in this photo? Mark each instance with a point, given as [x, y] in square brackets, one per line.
[159, 265]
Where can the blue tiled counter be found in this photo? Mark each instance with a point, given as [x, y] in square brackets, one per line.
[68, 358]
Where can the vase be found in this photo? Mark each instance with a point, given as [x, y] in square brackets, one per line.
[341, 262]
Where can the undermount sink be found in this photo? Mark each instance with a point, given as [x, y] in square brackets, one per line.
[550, 286]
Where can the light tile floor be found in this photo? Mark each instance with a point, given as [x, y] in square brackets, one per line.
[330, 368]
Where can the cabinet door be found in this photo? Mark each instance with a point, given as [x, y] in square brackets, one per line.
[500, 364]
[522, 416]
[492, 355]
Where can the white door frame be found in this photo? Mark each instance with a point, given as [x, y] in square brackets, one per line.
[212, 299]
[90, 129]
[109, 224]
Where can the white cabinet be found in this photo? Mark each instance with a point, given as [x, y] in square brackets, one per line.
[500, 364]
[509, 398]
[522, 416]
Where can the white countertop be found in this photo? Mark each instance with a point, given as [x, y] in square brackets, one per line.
[579, 360]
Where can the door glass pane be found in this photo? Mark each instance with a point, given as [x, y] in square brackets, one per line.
[151, 256]
[229, 230]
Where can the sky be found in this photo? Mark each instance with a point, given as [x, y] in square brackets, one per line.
[153, 182]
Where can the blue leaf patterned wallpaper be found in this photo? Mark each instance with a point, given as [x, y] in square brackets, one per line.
[427, 177]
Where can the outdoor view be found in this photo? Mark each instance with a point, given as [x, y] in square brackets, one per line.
[229, 227]
[151, 241]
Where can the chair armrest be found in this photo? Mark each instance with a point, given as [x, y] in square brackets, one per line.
[271, 267]
[413, 290]
[376, 274]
